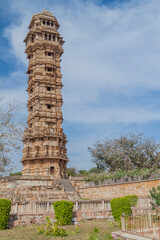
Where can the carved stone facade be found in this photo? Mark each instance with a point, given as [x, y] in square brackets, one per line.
[44, 150]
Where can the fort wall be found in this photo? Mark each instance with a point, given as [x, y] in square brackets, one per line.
[114, 188]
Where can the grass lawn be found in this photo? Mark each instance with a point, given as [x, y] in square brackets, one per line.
[30, 232]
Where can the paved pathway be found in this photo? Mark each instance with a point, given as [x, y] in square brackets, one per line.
[128, 236]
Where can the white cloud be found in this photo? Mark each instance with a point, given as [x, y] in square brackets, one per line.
[110, 54]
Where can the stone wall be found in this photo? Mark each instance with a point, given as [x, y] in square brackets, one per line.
[28, 219]
[36, 188]
[26, 213]
[109, 191]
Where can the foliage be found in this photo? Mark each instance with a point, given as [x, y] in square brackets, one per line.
[120, 206]
[5, 206]
[133, 200]
[93, 234]
[70, 173]
[96, 170]
[144, 172]
[63, 212]
[83, 172]
[111, 237]
[10, 136]
[154, 195]
[51, 229]
[127, 152]
[16, 173]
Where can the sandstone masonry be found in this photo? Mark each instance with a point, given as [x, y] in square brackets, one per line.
[44, 150]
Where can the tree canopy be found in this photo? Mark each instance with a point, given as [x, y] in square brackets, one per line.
[127, 152]
[154, 195]
[10, 136]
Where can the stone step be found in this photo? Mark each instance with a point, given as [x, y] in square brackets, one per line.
[67, 185]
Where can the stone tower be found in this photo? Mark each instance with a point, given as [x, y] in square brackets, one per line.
[44, 150]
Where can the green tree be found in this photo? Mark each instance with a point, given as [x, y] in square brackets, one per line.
[154, 195]
[127, 152]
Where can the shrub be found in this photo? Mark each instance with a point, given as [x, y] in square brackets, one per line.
[63, 212]
[83, 172]
[133, 200]
[16, 173]
[51, 229]
[5, 206]
[70, 173]
[120, 206]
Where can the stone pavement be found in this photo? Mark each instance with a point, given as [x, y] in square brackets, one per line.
[128, 236]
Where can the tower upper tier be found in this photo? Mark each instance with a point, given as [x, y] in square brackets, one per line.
[43, 26]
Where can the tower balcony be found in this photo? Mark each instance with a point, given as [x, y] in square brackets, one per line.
[43, 44]
[53, 156]
[43, 61]
[44, 115]
[39, 133]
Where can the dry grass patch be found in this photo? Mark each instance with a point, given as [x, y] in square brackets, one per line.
[30, 232]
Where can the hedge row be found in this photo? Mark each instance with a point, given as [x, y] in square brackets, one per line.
[123, 205]
[5, 207]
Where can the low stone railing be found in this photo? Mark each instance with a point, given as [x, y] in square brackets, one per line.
[81, 205]
[114, 181]
[47, 207]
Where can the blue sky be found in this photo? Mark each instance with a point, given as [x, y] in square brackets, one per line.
[110, 67]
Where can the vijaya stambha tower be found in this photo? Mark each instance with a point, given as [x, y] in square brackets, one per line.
[44, 150]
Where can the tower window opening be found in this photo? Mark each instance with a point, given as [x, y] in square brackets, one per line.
[45, 36]
[49, 54]
[31, 90]
[30, 56]
[30, 125]
[44, 22]
[49, 106]
[48, 89]
[51, 170]
[52, 24]
[31, 108]
[32, 38]
[54, 38]
[48, 23]
[49, 69]
[49, 37]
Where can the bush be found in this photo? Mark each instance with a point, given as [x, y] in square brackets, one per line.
[120, 206]
[83, 172]
[70, 173]
[133, 200]
[5, 206]
[63, 212]
[16, 173]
